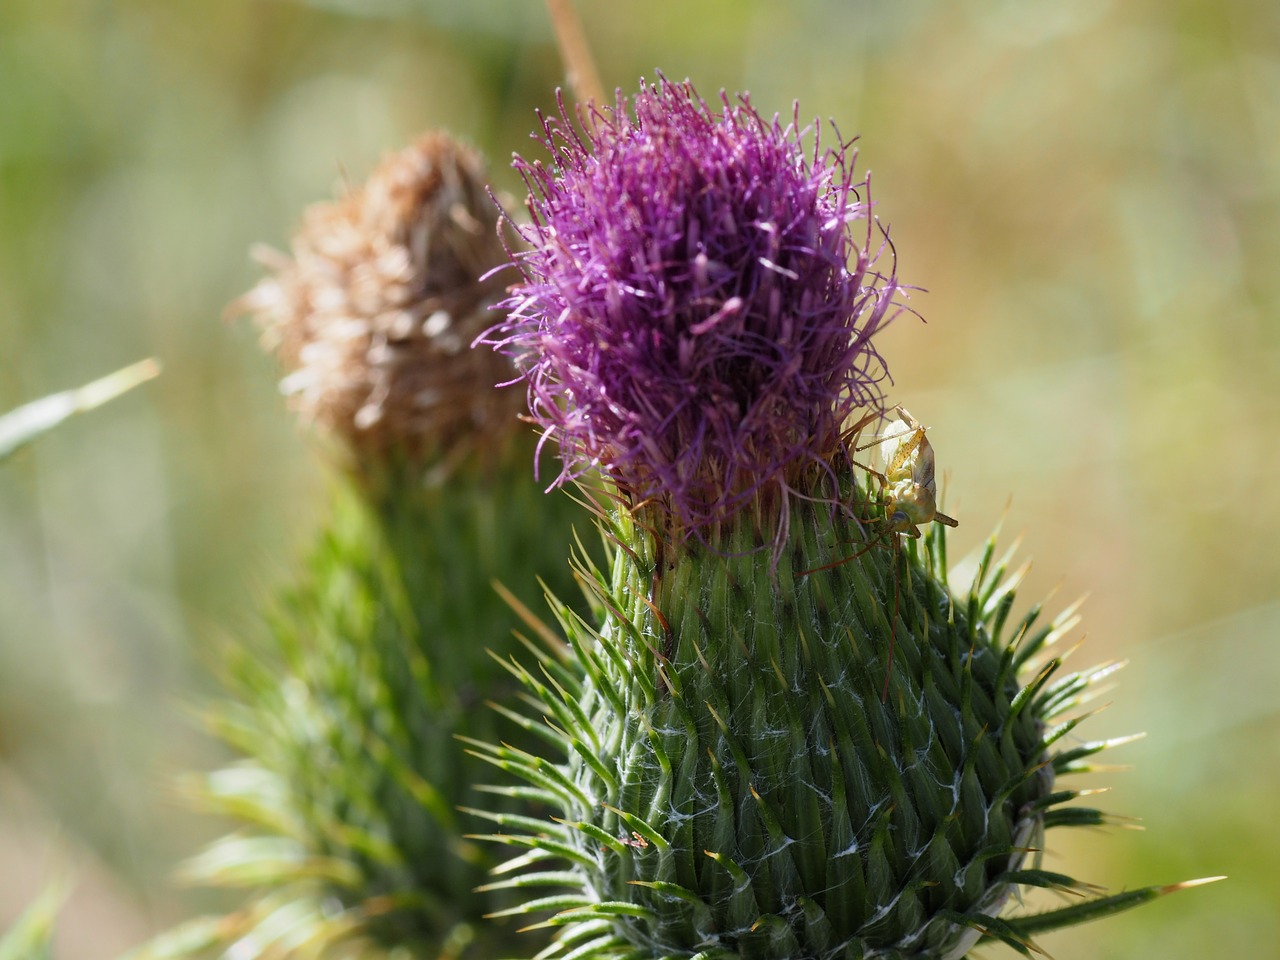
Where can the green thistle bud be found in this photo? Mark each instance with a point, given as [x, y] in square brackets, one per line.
[790, 736]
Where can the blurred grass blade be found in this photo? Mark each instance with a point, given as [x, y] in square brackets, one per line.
[19, 427]
[31, 936]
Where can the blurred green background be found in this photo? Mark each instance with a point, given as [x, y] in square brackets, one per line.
[1088, 189]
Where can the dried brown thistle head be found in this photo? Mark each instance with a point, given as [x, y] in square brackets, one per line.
[374, 313]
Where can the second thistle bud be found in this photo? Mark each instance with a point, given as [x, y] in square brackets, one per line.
[377, 655]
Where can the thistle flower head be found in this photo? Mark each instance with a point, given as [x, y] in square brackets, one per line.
[696, 311]
[833, 755]
[373, 313]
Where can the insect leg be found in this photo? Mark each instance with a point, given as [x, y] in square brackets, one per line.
[875, 542]
[899, 561]
[893, 637]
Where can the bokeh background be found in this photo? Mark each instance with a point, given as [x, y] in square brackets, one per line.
[1089, 190]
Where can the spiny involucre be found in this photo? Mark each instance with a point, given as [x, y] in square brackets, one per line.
[786, 736]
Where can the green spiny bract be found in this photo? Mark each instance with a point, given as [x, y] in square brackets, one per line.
[346, 717]
[734, 785]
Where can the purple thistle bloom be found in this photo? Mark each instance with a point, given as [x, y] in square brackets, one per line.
[695, 316]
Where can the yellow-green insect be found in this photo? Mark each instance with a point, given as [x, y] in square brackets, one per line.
[911, 492]
[910, 495]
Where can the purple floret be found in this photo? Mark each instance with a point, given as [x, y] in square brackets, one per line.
[695, 316]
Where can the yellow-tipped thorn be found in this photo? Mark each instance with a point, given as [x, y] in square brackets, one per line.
[1188, 884]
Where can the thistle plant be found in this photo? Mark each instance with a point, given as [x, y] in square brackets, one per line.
[789, 734]
[345, 714]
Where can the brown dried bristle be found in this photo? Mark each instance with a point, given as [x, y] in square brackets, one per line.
[374, 313]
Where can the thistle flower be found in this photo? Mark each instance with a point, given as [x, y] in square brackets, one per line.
[825, 754]
[696, 316]
[374, 312]
[346, 713]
